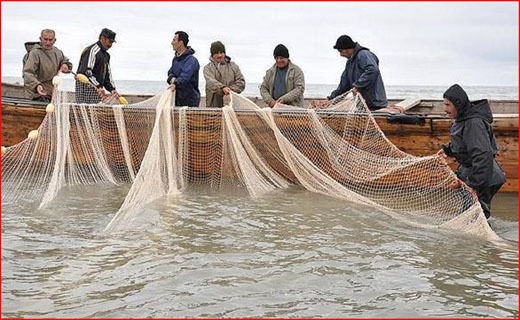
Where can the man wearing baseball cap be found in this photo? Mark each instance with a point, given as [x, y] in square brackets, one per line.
[361, 73]
[94, 63]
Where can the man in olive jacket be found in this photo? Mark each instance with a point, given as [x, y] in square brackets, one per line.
[222, 76]
[284, 81]
[41, 63]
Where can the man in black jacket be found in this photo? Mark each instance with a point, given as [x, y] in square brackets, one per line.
[94, 63]
[473, 145]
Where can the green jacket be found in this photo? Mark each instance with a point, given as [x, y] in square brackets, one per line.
[295, 83]
[220, 75]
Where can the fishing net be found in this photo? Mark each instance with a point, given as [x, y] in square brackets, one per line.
[157, 149]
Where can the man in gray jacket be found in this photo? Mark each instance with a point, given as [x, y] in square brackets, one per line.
[361, 74]
[222, 76]
[284, 81]
[41, 63]
[473, 145]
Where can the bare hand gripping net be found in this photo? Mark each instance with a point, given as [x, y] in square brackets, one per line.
[160, 149]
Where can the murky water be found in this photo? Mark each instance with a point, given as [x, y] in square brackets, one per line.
[291, 253]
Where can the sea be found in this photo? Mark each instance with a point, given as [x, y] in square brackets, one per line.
[288, 254]
[314, 90]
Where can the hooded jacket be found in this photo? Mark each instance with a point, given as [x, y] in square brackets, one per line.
[294, 82]
[362, 71]
[220, 75]
[473, 144]
[184, 73]
[40, 66]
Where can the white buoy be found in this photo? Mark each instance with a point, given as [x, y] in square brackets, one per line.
[56, 81]
[33, 135]
[4, 150]
[50, 108]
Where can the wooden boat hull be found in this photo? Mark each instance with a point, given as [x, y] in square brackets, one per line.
[19, 117]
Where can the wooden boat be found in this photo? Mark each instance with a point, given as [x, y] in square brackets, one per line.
[422, 136]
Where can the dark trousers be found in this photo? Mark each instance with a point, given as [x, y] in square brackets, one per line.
[484, 197]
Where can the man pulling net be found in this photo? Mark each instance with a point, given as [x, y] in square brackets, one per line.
[95, 65]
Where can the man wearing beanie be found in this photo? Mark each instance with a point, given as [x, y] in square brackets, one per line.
[183, 76]
[284, 81]
[361, 74]
[222, 76]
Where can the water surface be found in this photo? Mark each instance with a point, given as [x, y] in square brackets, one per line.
[291, 253]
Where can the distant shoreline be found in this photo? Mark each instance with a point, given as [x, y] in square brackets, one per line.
[10, 79]
[312, 91]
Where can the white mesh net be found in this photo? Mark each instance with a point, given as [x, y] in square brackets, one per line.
[159, 150]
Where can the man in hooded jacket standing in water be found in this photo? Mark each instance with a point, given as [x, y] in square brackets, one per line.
[473, 145]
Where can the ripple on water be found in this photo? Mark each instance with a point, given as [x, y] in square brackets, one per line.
[290, 253]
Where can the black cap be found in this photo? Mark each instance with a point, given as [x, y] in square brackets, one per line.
[344, 42]
[281, 51]
[109, 34]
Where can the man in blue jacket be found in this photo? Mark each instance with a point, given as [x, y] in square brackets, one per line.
[183, 76]
[361, 74]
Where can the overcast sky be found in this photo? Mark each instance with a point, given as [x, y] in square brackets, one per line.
[434, 43]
